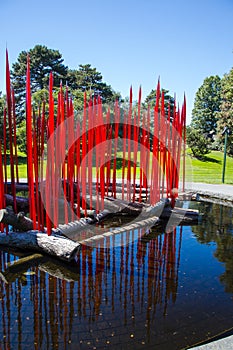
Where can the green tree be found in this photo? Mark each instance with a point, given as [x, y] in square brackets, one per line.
[42, 62]
[168, 99]
[87, 78]
[225, 116]
[207, 105]
[197, 142]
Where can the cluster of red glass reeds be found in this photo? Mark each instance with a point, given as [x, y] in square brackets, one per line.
[72, 157]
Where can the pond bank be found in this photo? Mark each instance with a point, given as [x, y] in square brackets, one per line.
[222, 192]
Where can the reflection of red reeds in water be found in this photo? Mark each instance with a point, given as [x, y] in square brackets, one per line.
[90, 150]
[134, 285]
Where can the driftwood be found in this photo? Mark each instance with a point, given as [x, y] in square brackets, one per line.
[21, 202]
[66, 249]
[54, 245]
[18, 221]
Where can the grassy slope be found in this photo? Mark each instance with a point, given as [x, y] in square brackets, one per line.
[208, 170]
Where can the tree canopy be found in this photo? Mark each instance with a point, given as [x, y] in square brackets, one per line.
[207, 105]
[42, 62]
[225, 116]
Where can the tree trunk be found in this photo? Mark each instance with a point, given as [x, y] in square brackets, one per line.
[54, 245]
[18, 221]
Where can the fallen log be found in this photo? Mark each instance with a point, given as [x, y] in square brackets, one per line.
[115, 207]
[22, 203]
[18, 221]
[54, 245]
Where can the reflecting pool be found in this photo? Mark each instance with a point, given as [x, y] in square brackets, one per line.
[153, 291]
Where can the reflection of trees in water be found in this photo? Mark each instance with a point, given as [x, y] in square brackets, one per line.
[130, 281]
[217, 226]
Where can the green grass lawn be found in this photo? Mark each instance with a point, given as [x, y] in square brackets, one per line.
[208, 170]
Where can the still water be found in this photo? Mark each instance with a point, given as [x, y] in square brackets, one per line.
[165, 291]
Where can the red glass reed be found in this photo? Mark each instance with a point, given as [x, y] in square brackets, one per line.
[184, 139]
[154, 197]
[90, 137]
[63, 152]
[129, 144]
[11, 131]
[108, 154]
[97, 153]
[2, 192]
[32, 208]
[71, 156]
[162, 144]
[124, 154]
[142, 156]
[102, 140]
[35, 160]
[78, 182]
[15, 142]
[168, 146]
[135, 137]
[5, 146]
[42, 131]
[84, 162]
[116, 135]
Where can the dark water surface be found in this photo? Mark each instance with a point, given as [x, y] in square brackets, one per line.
[169, 291]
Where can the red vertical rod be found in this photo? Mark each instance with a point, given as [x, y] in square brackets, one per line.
[63, 152]
[116, 134]
[129, 144]
[178, 154]
[174, 150]
[30, 146]
[84, 148]
[11, 131]
[51, 134]
[5, 146]
[35, 157]
[163, 144]
[15, 143]
[154, 173]
[168, 160]
[108, 154]
[2, 198]
[184, 140]
[78, 168]
[135, 136]
[123, 156]
[42, 164]
[97, 155]
[142, 157]
[71, 158]
[102, 149]
[90, 137]
[147, 150]
[58, 160]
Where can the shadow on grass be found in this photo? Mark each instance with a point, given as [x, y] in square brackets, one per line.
[208, 159]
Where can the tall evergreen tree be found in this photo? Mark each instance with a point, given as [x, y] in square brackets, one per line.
[87, 78]
[207, 105]
[42, 62]
[225, 116]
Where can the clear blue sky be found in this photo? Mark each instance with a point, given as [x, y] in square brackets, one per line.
[129, 42]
